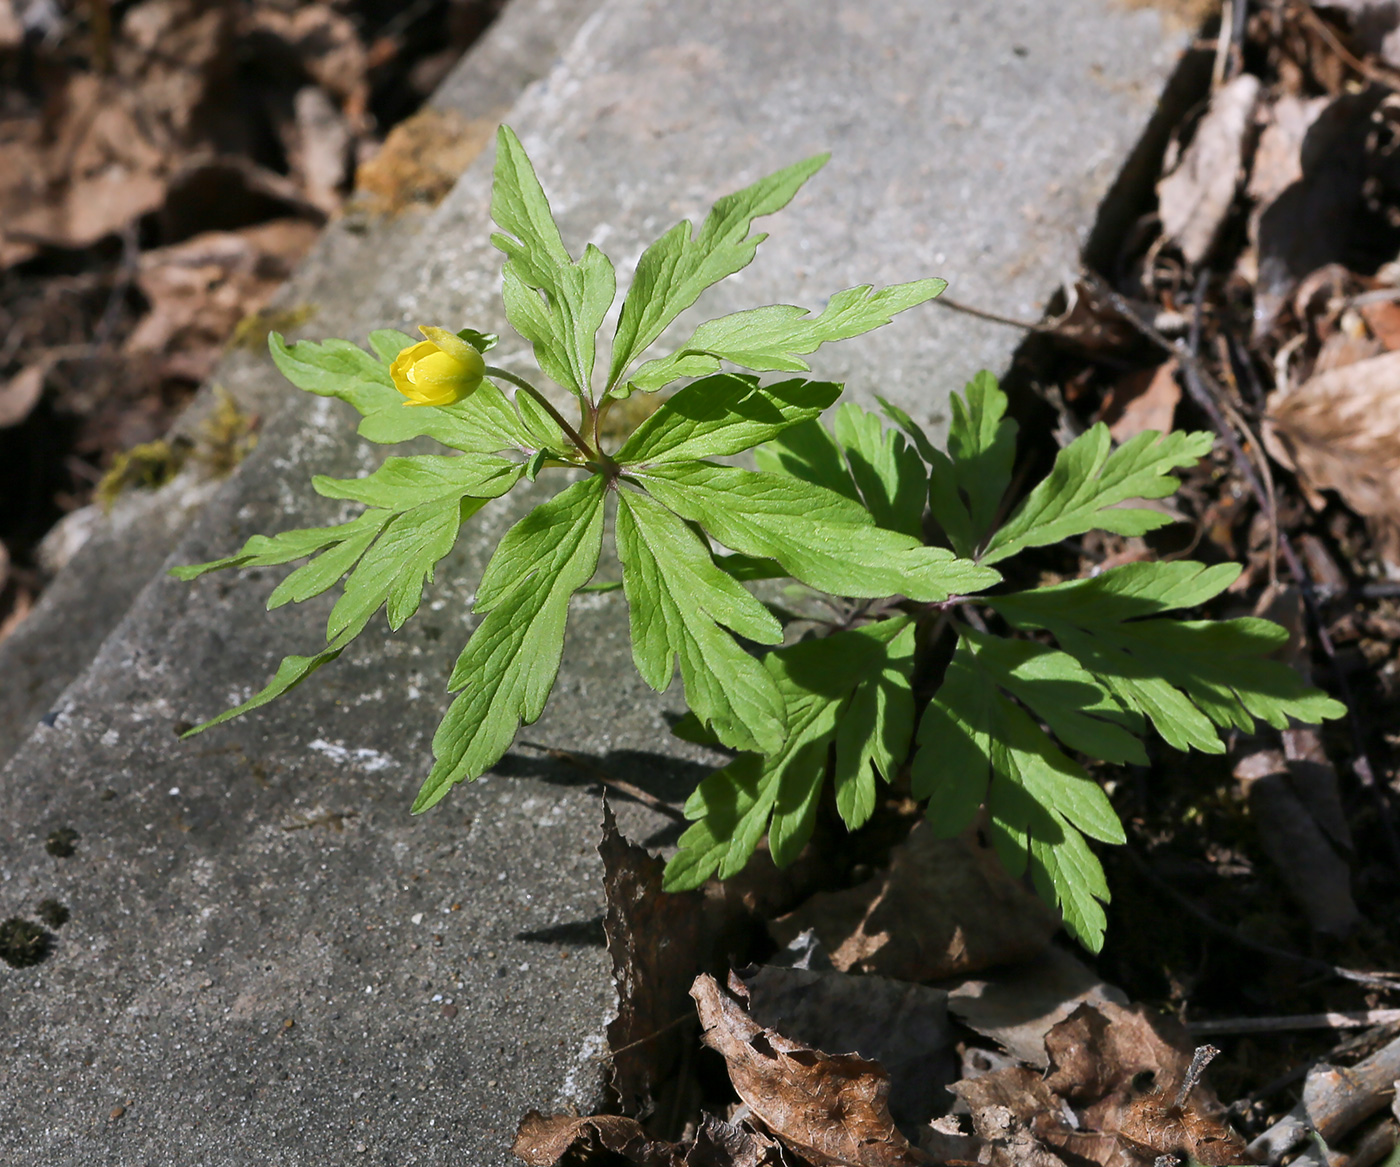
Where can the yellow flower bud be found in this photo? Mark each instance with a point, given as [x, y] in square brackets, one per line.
[441, 370]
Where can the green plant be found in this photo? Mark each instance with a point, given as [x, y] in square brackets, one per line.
[840, 510]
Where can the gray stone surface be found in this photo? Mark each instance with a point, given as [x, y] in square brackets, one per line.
[252, 963]
[82, 605]
[972, 141]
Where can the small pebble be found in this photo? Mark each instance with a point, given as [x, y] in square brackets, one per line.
[449, 1011]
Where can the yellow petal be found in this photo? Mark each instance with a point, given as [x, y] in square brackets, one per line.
[453, 345]
[399, 368]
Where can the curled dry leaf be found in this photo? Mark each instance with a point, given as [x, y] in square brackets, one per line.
[200, 289]
[1013, 1112]
[1294, 799]
[1110, 1098]
[1195, 198]
[11, 31]
[944, 907]
[1340, 431]
[831, 1108]
[902, 1026]
[1383, 320]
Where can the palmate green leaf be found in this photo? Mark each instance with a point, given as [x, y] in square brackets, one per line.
[1088, 482]
[674, 270]
[484, 423]
[722, 415]
[819, 537]
[966, 485]
[556, 304]
[1186, 676]
[809, 453]
[403, 483]
[396, 555]
[825, 684]
[776, 337]
[395, 569]
[889, 474]
[677, 600]
[862, 461]
[273, 550]
[976, 745]
[508, 666]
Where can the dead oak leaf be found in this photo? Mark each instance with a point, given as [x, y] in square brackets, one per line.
[1340, 430]
[832, 1109]
[1123, 1067]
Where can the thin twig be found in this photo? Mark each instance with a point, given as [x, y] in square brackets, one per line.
[620, 785]
[1354, 1019]
[995, 317]
[1374, 980]
[1376, 73]
[688, 1016]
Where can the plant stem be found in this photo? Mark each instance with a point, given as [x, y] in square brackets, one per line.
[583, 447]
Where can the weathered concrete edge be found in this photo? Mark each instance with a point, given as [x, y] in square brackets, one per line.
[87, 598]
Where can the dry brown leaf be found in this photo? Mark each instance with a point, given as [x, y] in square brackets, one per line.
[944, 907]
[1092, 325]
[1195, 198]
[722, 1144]
[199, 290]
[1278, 158]
[1015, 1115]
[1289, 801]
[655, 940]
[320, 147]
[328, 47]
[543, 1141]
[830, 1108]
[1341, 431]
[1309, 223]
[902, 1026]
[1145, 399]
[20, 394]
[1342, 349]
[1122, 1068]
[1016, 1007]
[562, 1138]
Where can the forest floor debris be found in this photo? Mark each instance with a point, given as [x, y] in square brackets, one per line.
[161, 173]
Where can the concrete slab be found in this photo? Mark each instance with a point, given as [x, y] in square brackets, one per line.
[971, 141]
[121, 551]
[252, 968]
